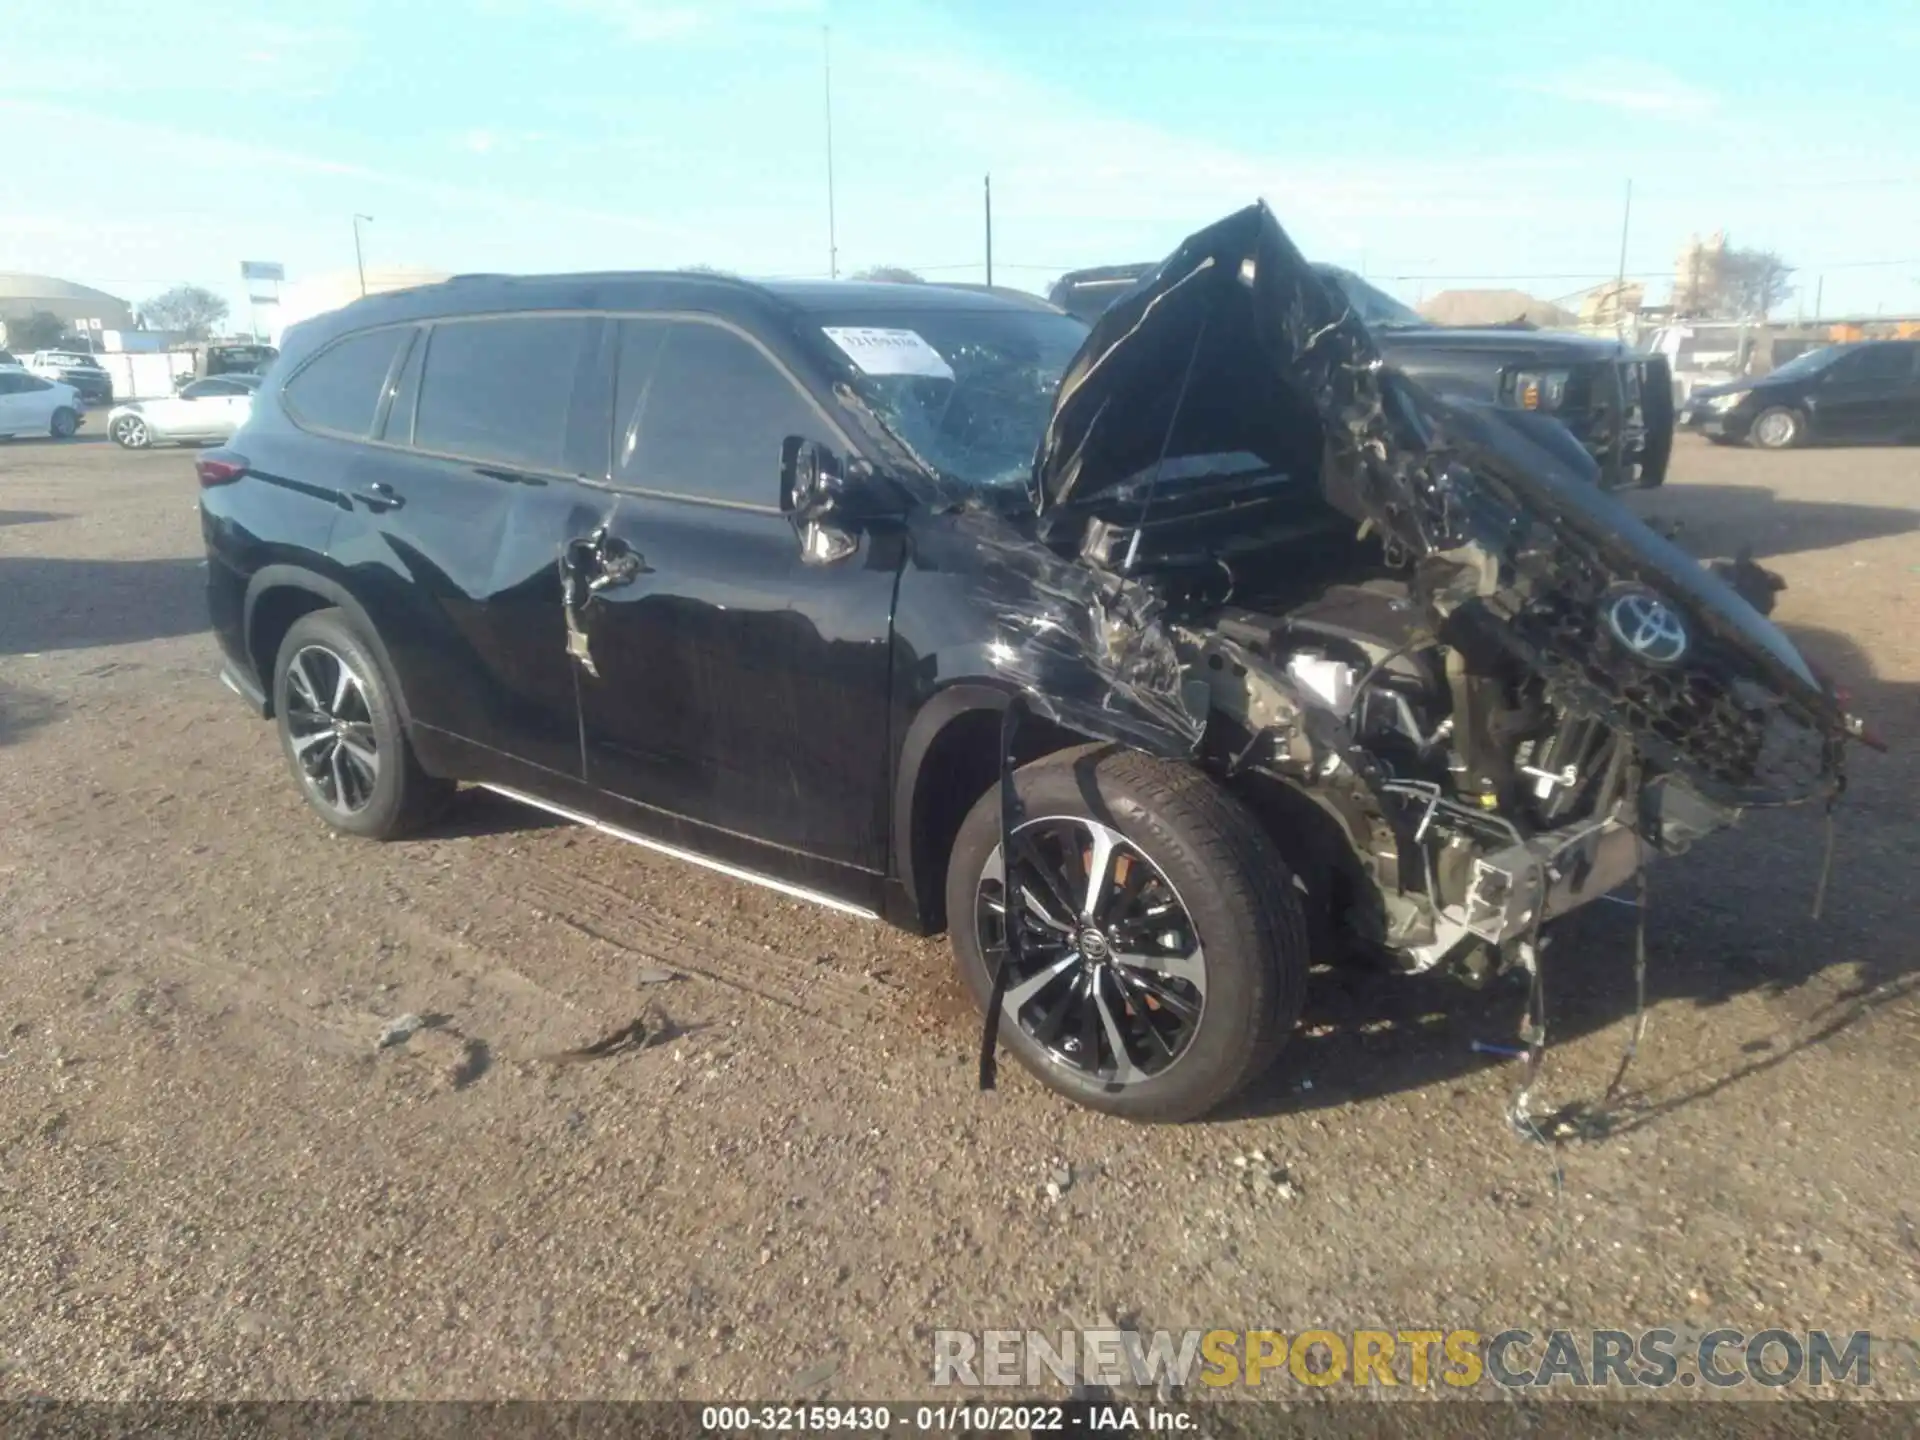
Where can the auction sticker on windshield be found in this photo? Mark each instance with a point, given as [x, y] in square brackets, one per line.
[889, 352]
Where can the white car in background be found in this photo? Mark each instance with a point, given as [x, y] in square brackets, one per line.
[32, 406]
[206, 410]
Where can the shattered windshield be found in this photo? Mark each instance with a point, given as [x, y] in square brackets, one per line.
[970, 391]
[1377, 309]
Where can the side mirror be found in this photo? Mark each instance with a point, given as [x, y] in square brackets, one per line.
[826, 499]
[812, 482]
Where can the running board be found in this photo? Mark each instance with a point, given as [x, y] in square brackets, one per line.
[798, 892]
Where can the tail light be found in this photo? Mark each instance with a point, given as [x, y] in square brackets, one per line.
[219, 467]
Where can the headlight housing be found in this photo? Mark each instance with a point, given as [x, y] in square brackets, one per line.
[1539, 389]
[1723, 403]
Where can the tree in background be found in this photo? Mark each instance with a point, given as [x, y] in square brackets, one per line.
[1750, 284]
[1715, 281]
[41, 330]
[709, 270]
[892, 274]
[196, 311]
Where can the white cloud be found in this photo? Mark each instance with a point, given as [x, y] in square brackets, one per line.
[224, 164]
[1625, 85]
[649, 22]
[1073, 183]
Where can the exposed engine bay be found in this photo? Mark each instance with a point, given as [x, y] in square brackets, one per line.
[1471, 805]
[1474, 690]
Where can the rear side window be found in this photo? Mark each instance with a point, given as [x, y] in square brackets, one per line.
[703, 411]
[499, 390]
[339, 389]
[209, 389]
[1878, 363]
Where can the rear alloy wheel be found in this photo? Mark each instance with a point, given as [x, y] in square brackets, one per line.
[131, 432]
[1777, 429]
[342, 735]
[65, 422]
[1163, 945]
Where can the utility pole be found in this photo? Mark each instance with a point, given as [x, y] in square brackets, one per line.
[1819, 289]
[1620, 276]
[989, 186]
[359, 263]
[826, 78]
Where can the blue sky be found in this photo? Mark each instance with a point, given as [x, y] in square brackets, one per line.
[1431, 145]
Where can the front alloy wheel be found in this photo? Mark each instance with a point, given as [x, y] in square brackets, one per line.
[1163, 946]
[330, 728]
[1111, 980]
[130, 432]
[1776, 429]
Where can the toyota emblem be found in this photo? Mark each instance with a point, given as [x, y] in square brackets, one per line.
[1647, 626]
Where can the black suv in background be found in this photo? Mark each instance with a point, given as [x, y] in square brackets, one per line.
[1153, 663]
[1617, 402]
[1868, 390]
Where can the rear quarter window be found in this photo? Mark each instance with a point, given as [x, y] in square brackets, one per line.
[338, 391]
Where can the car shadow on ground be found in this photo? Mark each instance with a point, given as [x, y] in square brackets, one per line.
[1731, 918]
[1721, 519]
[28, 517]
[22, 711]
[476, 812]
[64, 604]
[79, 437]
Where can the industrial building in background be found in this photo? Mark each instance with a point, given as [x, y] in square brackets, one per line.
[76, 306]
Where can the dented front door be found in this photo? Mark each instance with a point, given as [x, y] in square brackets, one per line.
[725, 682]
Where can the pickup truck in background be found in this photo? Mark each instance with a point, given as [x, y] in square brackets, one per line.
[1617, 402]
[75, 369]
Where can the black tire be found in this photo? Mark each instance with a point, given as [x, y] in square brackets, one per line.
[392, 797]
[1778, 427]
[1238, 894]
[65, 422]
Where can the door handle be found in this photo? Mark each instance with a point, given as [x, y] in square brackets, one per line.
[380, 496]
[603, 562]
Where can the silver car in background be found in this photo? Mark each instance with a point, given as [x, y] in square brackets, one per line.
[206, 410]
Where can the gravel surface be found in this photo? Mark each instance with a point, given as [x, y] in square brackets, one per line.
[284, 1115]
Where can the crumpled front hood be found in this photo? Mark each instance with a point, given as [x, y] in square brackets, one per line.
[1230, 344]
[1236, 346]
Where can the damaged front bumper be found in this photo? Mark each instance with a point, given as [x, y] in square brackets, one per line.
[1515, 890]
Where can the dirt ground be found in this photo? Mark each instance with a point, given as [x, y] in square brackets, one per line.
[213, 1184]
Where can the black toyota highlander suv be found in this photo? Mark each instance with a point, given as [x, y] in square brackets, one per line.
[1154, 663]
[1616, 401]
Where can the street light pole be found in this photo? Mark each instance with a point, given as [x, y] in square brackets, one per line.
[989, 185]
[826, 82]
[360, 264]
[1620, 276]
